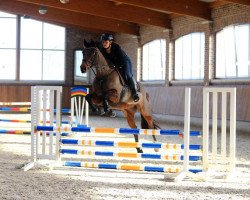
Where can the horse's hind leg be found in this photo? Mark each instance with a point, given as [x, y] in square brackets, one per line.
[147, 122]
[130, 114]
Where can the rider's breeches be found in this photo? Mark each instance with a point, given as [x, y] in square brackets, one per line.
[129, 76]
[128, 69]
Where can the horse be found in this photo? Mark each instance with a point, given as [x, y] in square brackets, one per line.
[108, 83]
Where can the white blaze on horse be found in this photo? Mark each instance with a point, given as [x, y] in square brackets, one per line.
[109, 87]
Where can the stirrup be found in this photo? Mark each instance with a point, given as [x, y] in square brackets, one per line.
[136, 97]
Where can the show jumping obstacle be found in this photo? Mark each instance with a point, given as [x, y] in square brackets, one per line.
[77, 111]
[55, 148]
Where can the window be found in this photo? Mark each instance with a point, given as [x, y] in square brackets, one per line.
[233, 52]
[79, 76]
[189, 56]
[7, 46]
[154, 60]
[42, 51]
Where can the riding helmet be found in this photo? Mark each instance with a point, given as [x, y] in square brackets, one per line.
[107, 36]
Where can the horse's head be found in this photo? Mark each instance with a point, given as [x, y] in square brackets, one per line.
[89, 54]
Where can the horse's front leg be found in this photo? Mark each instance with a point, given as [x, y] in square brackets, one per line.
[131, 122]
[89, 100]
[106, 106]
[94, 102]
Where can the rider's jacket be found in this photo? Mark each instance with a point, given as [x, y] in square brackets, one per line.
[117, 56]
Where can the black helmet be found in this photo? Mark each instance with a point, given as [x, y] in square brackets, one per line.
[106, 36]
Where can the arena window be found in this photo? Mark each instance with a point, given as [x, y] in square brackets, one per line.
[154, 60]
[31, 50]
[233, 52]
[189, 57]
[7, 46]
[42, 51]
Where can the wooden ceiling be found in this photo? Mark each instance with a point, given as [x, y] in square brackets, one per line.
[124, 16]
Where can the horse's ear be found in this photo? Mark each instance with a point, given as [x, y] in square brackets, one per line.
[92, 43]
[85, 44]
[98, 45]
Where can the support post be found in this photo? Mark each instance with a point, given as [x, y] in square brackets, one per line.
[185, 171]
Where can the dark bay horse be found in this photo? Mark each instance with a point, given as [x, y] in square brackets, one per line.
[109, 82]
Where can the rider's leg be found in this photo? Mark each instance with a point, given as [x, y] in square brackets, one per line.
[131, 81]
[133, 87]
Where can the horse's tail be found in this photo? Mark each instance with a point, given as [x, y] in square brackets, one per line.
[144, 124]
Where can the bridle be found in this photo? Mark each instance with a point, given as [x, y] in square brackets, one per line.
[90, 62]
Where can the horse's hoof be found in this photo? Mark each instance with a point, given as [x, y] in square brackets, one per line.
[136, 97]
[139, 150]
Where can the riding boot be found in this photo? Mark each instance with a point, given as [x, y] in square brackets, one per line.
[133, 87]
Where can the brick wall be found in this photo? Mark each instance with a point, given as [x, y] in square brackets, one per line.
[230, 14]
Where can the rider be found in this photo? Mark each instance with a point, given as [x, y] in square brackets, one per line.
[114, 54]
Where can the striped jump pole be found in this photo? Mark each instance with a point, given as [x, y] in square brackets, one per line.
[15, 109]
[122, 144]
[28, 109]
[17, 132]
[130, 155]
[15, 103]
[104, 130]
[28, 121]
[134, 167]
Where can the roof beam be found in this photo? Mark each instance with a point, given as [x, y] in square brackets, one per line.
[70, 18]
[96, 30]
[108, 9]
[193, 8]
[243, 2]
